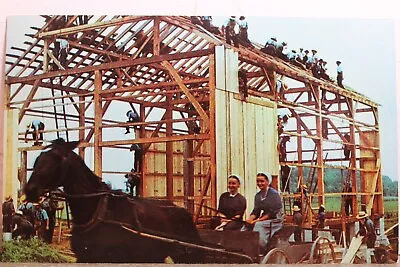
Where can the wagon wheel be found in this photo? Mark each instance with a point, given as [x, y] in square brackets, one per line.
[322, 251]
[275, 256]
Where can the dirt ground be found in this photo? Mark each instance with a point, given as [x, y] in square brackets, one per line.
[62, 242]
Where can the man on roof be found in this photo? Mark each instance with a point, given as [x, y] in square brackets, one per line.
[232, 31]
[270, 47]
[243, 35]
[339, 77]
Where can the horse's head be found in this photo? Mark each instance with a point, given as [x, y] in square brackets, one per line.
[50, 168]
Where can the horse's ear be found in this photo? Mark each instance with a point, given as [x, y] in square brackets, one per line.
[72, 145]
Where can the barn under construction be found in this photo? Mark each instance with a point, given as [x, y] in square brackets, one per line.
[198, 123]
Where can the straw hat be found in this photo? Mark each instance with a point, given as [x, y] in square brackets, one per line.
[361, 215]
[8, 198]
[19, 212]
[296, 208]
[322, 206]
[304, 186]
[22, 198]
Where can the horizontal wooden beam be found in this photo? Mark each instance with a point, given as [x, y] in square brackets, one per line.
[92, 26]
[110, 65]
[150, 140]
[152, 86]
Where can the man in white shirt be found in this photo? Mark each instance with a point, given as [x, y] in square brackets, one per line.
[230, 31]
[339, 74]
[243, 35]
[270, 47]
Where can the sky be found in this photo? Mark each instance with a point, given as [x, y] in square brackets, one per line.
[365, 46]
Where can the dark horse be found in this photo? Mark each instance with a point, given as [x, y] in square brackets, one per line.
[99, 213]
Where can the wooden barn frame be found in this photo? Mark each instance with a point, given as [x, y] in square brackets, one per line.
[175, 74]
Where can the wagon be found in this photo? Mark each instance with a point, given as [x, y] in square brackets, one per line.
[243, 247]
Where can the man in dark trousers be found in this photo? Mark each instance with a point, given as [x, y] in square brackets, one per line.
[138, 156]
[346, 148]
[8, 213]
[282, 147]
[348, 200]
[367, 229]
[35, 127]
[50, 205]
[133, 181]
[42, 222]
[285, 172]
[339, 73]
[22, 226]
[230, 32]
[132, 117]
[325, 130]
[297, 220]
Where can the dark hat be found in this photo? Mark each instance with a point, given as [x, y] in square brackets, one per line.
[306, 51]
[320, 60]
[233, 17]
[273, 38]
[242, 17]
[313, 50]
[338, 62]
[284, 43]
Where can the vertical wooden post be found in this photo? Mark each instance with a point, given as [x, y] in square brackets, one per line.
[81, 124]
[97, 124]
[188, 175]
[320, 156]
[353, 162]
[169, 155]
[299, 152]
[156, 43]
[46, 55]
[23, 168]
[10, 150]
[213, 156]
[142, 134]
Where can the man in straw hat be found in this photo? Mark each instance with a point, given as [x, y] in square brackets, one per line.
[297, 220]
[367, 229]
[8, 212]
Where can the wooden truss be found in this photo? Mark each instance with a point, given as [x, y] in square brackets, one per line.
[166, 65]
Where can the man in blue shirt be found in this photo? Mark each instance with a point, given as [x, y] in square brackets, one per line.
[42, 222]
[339, 74]
[132, 117]
[35, 127]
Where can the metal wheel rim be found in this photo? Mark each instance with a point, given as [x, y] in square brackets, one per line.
[275, 256]
[322, 251]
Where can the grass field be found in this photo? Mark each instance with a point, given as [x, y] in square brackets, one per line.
[334, 204]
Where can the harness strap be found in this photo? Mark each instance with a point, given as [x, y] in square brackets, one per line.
[98, 216]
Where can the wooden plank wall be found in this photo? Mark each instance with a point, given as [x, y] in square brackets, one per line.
[155, 176]
[368, 161]
[246, 131]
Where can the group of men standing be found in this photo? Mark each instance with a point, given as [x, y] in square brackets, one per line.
[30, 219]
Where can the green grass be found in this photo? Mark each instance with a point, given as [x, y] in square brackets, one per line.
[334, 204]
[33, 250]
